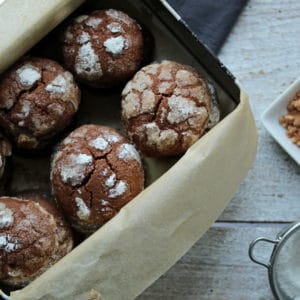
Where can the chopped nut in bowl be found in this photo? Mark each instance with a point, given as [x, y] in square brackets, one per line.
[291, 121]
[282, 120]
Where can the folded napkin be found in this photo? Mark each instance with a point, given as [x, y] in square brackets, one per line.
[210, 20]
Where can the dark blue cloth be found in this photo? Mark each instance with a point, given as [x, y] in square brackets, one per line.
[211, 20]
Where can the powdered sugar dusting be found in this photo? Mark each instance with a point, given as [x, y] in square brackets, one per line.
[88, 62]
[164, 86]
[79, 133]
[74, 168]
[9, 243]
[104, 202]
[141, 81]
[83, 212]
[58, 85]
[131, 105]
[83, 159]
[111, 138]
[83, 38]
[114, 27]
[128, 152]
[148, 101]
[184, 77]
[99, 143]
[28, 75]
[165, 73]
[152, 69]
[127, 89]
[93, 22]
[115, 45]
[119, 189]
[68, 140]
[6, 216]
[181, 109]
[111, 180]
[104, 172]
[105, 209]
[119, 16]
[158, 138]
[81, 18]
[198, 120]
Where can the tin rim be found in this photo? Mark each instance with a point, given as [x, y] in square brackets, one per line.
[280, 240]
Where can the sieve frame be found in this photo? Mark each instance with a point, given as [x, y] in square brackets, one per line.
[278, 242]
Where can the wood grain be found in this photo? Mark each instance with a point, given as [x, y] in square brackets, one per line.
[263, 53]
[217, 268]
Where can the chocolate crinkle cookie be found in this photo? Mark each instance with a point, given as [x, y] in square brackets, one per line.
[167, 107]
[95, 172]
[104, 48]
[5, 151]
[33, 236]
[38, 99]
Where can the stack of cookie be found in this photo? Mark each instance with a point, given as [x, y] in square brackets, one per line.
[165, 107]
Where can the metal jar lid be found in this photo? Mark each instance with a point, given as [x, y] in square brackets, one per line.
[284, 264]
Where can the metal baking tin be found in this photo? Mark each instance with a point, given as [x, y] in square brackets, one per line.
[173, 40]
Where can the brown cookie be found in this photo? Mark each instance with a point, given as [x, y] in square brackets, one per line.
[104, 48]
[5, 151]
[166, 108]
[38, 99]
[33, 236]
[95, 172]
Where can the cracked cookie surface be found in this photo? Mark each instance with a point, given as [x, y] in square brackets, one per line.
[104, 48]
[38, 99]
[33, 236]
[94, 173]
[166, 107]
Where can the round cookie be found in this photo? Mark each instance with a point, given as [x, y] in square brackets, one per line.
[95, 172]
[38, 99]
[33, 236]
[166, 108]
[5, 151]
[104, 48]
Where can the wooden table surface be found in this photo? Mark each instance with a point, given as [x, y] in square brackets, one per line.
[263, 53]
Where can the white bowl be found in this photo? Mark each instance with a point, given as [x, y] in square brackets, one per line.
[271, 116]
